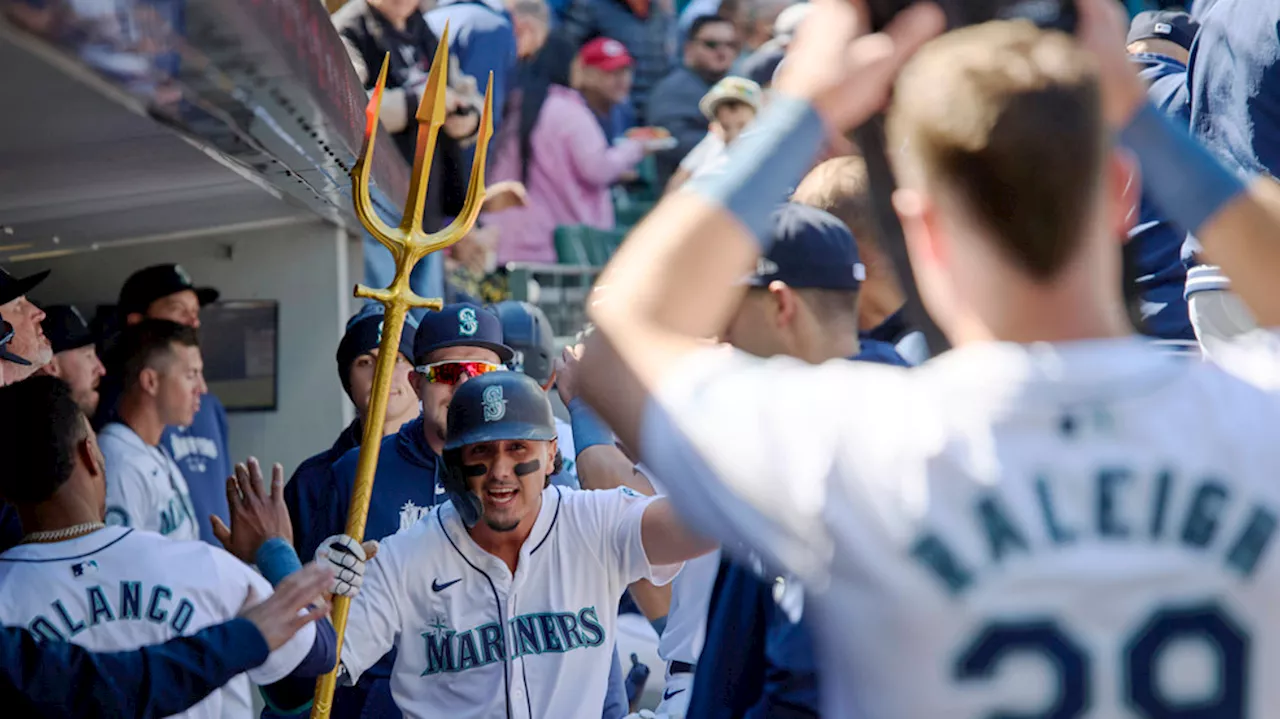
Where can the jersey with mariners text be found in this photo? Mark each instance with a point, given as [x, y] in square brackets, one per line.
[476, 642]
[119, 589]
[1076, 530]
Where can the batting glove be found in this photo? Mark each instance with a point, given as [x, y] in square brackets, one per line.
[643, 714]
[345, 556]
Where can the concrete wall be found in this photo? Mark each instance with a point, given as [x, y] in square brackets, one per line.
[306, 267]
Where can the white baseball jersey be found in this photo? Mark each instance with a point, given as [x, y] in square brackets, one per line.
[476, 642]
[145, 487]
[1075, 530]
[686, 629]
[120, 589]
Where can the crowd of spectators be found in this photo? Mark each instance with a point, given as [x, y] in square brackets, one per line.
[594, 101]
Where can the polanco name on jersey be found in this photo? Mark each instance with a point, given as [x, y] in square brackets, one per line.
[101, 610]
[449, 651]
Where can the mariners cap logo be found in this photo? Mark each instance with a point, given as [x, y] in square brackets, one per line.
[467, 323]
[765, 266]
[182, 274]
[495, 407]
[379, 340]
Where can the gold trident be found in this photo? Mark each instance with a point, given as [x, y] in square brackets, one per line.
[408, 244]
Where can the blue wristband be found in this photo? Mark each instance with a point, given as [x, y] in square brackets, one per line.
[588, 429]
[1186, 182]
[277, 560]
[764, 165]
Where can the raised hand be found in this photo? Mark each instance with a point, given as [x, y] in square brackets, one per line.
[257, 514]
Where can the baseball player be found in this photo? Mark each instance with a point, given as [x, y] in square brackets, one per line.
[310, 489]
[163, 382]
[110, 588]
[502, 601]
[527, 331]
[450, 347]
[198, 447]
[1052, 519]
[75, 358]
[7, 357]
[28, 340]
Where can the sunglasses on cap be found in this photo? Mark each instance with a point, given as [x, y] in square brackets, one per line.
[453, 371]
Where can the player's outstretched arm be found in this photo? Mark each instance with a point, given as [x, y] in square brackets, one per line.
[674, 281]
[1236, 221]
[65, 680]
[667, 539]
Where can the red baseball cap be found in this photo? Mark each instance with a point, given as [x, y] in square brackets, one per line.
[606, 54]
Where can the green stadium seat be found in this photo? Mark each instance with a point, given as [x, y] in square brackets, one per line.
[582, 245]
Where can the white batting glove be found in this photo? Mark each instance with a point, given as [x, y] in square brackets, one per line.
[345, 556]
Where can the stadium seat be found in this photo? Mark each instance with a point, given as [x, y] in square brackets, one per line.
[582, 245]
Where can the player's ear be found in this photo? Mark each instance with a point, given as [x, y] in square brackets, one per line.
[784, 302]
[149, 380]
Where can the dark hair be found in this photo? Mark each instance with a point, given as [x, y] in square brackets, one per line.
[141, 345]
[40, 426]
[702, 21]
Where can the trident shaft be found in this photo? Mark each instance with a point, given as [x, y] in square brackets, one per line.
[408, 244]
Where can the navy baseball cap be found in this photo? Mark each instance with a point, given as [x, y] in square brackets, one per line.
[460, 325]
[11, 288]
[151, 283]
[811, 249]
[364, 335]
[1172, 25]
[6, 334]
[66, 328]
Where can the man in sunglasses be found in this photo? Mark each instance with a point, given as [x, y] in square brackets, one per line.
[709, 52]
[451, 346]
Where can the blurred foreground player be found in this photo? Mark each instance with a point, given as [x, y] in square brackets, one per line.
[1033, 521]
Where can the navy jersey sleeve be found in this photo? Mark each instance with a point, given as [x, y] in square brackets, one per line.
[65, 680]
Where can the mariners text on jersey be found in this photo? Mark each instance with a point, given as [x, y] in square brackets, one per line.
[1200, 514]
[127, 601]
[450, 651]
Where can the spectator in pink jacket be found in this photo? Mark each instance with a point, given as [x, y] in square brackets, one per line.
[567, 167]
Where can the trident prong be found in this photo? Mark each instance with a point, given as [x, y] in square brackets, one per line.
[408, 244]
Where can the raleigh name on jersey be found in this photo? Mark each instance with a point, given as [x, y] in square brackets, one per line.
[476, 642]
[120, 589]
[1076, 530]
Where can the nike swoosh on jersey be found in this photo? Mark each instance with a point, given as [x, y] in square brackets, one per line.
[436, 586]
[668, 694]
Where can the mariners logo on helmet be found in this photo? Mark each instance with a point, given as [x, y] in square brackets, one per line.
[467, 322]
[495, 407]
[379, 340]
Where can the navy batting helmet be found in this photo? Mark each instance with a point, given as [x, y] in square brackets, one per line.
[526, 329]
[489, 408]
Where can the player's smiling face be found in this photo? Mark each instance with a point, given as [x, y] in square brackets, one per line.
[509, 477]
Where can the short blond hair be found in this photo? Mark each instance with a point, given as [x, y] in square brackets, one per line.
[1007, 119]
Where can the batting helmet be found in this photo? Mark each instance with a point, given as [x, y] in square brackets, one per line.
[526, 329]
[489, 408]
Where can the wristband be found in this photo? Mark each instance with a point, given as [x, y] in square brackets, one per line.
[277, 560]
[588, 429]
[764, 165]
[1186, 182]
